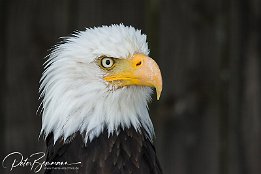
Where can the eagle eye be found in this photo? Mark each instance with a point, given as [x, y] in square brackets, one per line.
[107, 62]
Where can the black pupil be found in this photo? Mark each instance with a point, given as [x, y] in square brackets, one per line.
[107, 62]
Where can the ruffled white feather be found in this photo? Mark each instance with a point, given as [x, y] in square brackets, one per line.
[75, 96]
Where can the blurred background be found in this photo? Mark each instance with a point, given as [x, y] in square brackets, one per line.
[208, 120]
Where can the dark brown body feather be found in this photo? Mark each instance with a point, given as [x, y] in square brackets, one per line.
[128, 152]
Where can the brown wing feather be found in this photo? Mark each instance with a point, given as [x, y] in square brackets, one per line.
[128, 152]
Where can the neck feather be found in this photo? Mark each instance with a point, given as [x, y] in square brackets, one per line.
[91, 111]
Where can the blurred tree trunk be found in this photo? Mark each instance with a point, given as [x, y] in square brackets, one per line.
[2, 75]
[250, 126]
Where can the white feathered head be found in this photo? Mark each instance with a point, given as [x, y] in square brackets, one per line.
[96, 79]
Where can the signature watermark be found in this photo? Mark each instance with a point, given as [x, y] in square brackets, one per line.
[35, 162]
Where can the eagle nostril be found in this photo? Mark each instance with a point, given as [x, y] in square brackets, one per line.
[138, 64]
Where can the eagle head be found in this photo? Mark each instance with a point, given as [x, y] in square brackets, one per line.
[98, 79]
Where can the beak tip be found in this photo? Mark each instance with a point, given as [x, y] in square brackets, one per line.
[158, 92]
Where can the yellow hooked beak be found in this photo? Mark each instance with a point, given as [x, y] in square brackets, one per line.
[138, 70]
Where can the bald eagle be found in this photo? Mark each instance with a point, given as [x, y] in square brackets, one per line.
[95, 90]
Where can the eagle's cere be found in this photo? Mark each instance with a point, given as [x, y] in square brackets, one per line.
[96, 82]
